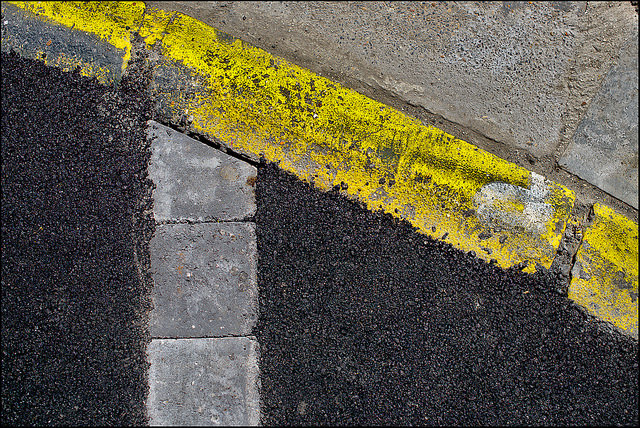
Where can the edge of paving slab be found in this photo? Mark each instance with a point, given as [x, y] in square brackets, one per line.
[261, 106]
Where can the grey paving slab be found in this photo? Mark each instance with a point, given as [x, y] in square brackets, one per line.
[195, 182]
[604, 149]
[205, 280]
[203, 382]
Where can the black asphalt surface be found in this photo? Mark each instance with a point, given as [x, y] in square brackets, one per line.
[74, 237]
[364, 321]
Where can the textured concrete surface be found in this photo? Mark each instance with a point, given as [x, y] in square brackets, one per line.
[195, 182]
[205, 280]
[514, 78]
[203, 382]
[205, 286]
[604, 149]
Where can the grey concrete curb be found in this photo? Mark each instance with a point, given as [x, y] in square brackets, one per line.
[541, 84]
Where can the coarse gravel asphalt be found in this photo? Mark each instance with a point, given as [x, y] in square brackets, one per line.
[75, 292]
[363, 321]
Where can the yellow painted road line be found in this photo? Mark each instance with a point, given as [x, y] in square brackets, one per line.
[324, 133]
[605, 275]
[330, 135]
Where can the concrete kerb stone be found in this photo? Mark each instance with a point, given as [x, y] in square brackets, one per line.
[205, 280]
[513, 78]
[438, 54]
[604, 277]
[604, 149]
[182, 167]
[260, 105]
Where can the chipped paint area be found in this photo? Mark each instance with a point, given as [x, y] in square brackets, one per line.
[605, 276]
[112, 22]
[41, 31]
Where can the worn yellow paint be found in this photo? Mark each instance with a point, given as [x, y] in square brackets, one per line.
[605, 276]
[154, 25]
[327, 134]
[330, 135]
[112, 21]
[70, 63]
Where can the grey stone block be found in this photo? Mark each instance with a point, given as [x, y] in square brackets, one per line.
[205, 280]
[604, 150]
[195, 182]
[203, 382]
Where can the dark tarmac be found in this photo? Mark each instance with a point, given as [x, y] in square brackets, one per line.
[362, 320]
[365, 322]
[75, 294]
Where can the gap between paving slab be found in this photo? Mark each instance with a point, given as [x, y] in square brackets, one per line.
[261, 105]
